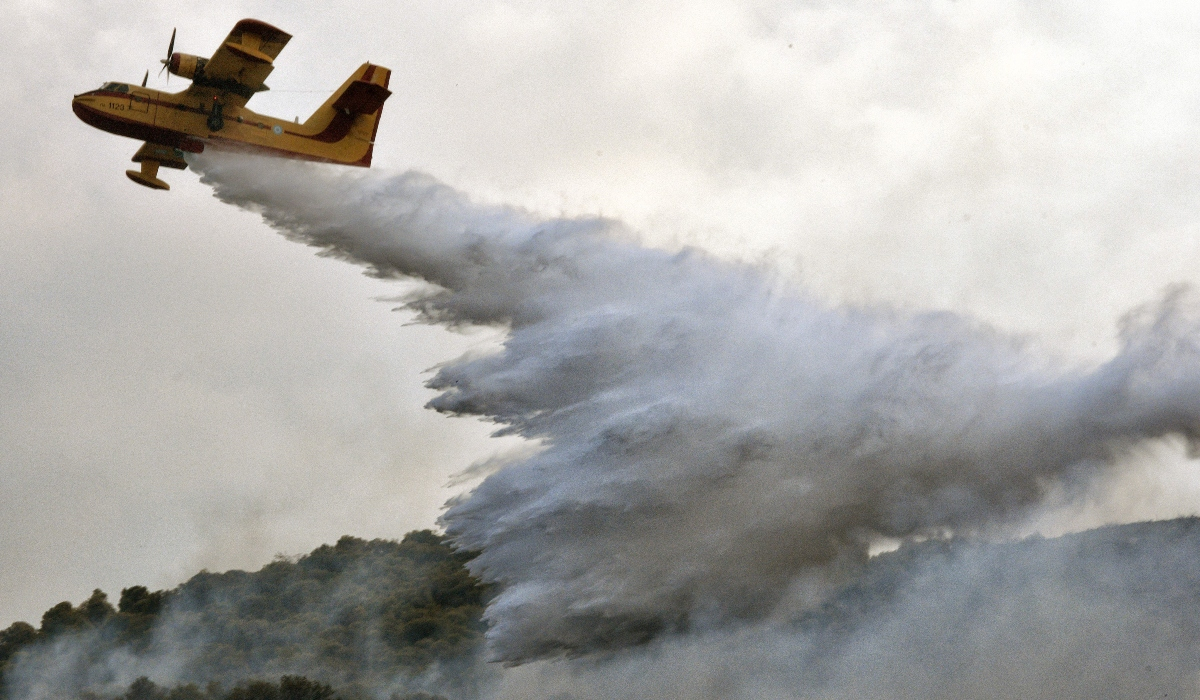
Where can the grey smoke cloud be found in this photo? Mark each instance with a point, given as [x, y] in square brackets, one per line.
[1093, 615]
[716, 445]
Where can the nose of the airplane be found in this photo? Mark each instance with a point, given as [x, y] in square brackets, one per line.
[77, 103]
[84, 106]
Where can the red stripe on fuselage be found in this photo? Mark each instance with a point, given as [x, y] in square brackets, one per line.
[339, 127]
[135, 129]
[335, 131]
[218, 143]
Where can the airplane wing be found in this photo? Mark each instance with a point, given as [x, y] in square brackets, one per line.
[243, 61]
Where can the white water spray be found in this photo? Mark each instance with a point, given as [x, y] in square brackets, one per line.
[715, 445]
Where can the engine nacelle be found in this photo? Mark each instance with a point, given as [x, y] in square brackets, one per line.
[186, 65]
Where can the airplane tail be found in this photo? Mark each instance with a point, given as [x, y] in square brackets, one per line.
[350, 117]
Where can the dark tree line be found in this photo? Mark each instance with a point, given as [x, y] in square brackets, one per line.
[128, 624]
[288, 688]
[353, 614]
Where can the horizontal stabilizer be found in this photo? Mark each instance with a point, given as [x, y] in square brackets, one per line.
[362, 97]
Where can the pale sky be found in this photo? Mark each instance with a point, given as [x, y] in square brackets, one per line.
[182, 388]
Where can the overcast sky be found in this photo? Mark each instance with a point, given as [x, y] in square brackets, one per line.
[182, 388]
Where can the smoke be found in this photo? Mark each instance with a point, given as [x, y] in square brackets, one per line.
[1088, 616]
[716, 445]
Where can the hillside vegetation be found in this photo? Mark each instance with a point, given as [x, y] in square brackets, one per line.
[1109, 613]
[355, 614]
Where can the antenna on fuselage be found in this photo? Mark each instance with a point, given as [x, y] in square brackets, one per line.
[145, 77]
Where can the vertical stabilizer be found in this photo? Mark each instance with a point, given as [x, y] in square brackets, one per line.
[353, 111]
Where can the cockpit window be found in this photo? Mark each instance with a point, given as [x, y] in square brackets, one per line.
[115, 87]
[122, 88]
[109, 86]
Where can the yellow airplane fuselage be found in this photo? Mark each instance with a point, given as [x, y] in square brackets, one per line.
[212, 113]
[184, 121]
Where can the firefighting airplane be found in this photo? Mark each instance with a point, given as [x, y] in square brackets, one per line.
[212, 111]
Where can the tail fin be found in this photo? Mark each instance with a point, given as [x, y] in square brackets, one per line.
[353, 111]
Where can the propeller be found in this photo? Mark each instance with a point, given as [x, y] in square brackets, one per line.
[170, 52]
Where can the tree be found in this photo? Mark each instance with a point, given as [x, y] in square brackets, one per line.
[138, 600]
[62, 618]
[301, 688]
[145, 689]
[12, 639]
[254, 690]
[96, 609]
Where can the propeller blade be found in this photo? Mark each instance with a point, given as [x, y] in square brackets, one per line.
[145, 77]
[170, 54]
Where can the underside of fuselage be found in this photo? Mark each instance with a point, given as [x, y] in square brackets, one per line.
[87, 107]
